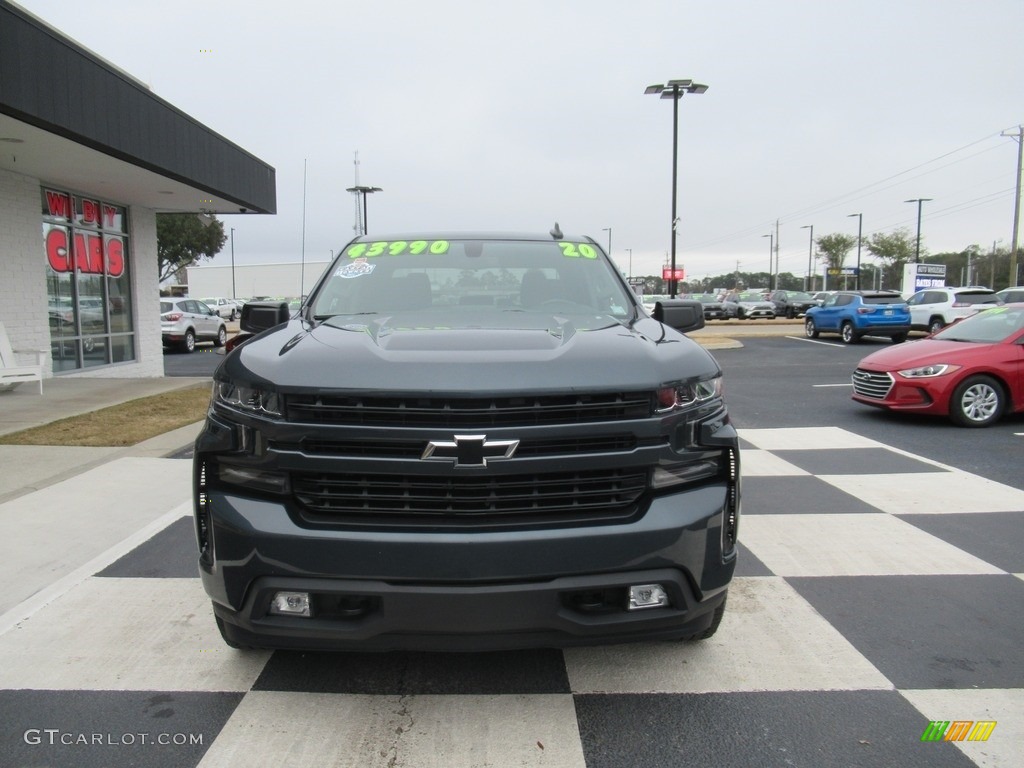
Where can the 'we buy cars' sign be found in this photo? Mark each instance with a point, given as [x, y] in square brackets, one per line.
[88, 252]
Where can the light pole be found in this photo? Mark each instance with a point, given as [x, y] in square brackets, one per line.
[609, 231]
[365, 191]
[809, 282]
[233, 293]
[674, 89]
[630, 250]
[860, 230]
[771, 249]
[918, 200]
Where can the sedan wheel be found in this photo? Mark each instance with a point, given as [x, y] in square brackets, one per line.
[977, 402]
[809, 328]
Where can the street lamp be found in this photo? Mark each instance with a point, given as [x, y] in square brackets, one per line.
[233, 293]
[771, 249]
[860, 229]
[630, 251]
[809, 283]
[365, 191]
[674, 89]
[609, 231]
[918, 200]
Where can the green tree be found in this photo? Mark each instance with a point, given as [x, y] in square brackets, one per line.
[183, 239]
[894, 249]
[833, 249]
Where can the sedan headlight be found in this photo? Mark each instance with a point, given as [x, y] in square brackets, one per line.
[261, 402]
[928, 371]
[689, 393]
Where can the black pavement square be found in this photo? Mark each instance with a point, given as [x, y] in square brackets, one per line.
[747, 563]
[994, 537]
[171, 554]
[928, 631]
[866, 729]
[86, 729]
[416, 673]
[855, 461]
[797, 495]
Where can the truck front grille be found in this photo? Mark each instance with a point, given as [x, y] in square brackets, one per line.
[406, 449]
[871, 384]
[375, 410]
[375, 499]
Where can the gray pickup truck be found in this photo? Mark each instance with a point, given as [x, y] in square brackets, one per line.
[467, 442]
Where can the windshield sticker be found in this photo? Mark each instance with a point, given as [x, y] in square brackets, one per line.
[396, 248]
[576, 250]
[358, 268]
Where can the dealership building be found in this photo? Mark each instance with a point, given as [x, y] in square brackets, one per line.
[88, 157]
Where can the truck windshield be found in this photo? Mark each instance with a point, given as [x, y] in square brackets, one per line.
[470, 276]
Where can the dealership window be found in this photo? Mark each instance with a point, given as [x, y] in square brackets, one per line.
[87, 282]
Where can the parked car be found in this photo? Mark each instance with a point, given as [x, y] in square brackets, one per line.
[791, 303]
[822, 296]
[748, 306]
[713, 309]
[972, 371]
[228, 308]
[853, 314]
[932, 309]
[183, 322]
[1010, 295]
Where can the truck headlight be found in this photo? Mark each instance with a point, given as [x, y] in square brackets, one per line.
[262, 402]
[688, 393]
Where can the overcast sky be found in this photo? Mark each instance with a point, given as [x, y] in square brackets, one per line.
[472, 114]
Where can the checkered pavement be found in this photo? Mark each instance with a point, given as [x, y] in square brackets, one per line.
[876, 591]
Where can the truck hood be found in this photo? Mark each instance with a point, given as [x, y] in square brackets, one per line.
[492, 352]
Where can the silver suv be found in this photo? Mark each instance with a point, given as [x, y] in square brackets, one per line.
[183, 322]
[934, 308]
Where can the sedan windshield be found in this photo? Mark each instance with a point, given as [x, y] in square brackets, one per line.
[988, 327]
[471, 276]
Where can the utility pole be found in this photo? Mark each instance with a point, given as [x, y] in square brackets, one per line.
[776, 253]
[1018, 136]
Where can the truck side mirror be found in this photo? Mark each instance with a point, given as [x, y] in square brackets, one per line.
[258, 316]
[684, 315]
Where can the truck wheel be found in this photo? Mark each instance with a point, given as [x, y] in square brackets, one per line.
[715, 621]
[227, 638]
[977, 402]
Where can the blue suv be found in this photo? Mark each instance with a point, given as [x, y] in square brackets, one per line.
[853, 314]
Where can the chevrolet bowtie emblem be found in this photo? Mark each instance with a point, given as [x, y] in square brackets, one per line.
[469, 451]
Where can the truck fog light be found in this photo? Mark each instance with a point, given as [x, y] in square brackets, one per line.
[292, 604]
[647, 596]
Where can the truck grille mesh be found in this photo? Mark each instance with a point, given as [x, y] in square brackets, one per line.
[421, 499]
[477, 413]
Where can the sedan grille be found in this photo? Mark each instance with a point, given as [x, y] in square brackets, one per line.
[871, 384]
[375, 499]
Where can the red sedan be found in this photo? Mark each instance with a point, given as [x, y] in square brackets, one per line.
[971, 371]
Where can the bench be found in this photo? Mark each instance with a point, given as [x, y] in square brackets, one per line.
[13, 373]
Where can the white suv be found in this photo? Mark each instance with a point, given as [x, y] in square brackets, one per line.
[934, 308]
[226, 308]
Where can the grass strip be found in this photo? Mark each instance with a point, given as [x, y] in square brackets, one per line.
[121, 425]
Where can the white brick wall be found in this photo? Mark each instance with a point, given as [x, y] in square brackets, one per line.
[23, 304]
